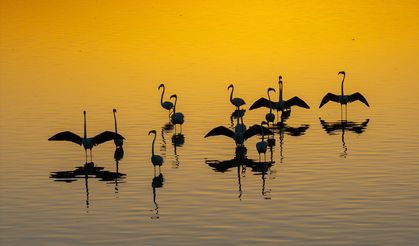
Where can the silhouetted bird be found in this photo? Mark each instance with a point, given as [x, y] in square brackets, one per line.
[155, 159]
[118, 141]
[343, 99]
[166, 105]
[237, 101]
[177, 118]
[240, 133]
[281, 105]
[262, 145]
[270, 117]
[87, 143]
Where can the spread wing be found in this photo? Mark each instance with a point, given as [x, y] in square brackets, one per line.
[221, 130]
[357, 96]
[66, 136]
[261, 102]
[106, 136]
[295, 101]
[329, 97]
[256, 129]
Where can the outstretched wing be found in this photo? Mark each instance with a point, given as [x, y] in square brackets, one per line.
[261, 102]
[66, 136]
[329, 97]
[295, 101]
[256, 129]
[357, 96]
[221, 130]
[106, 136]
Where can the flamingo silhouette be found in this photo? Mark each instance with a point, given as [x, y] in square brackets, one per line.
[281, 105]
[342, 98]
[87, 143]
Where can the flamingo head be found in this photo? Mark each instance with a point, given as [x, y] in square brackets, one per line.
[152, 131]
[84, 112]
[342, 72]
[271, 89]
[161, 85]
[114, 110]
[173, 96]
[230, 86]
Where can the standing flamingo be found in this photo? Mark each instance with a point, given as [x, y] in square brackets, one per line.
[166, 105]
[177, 118]
[157, 160]
[281, 105]
[343, 99]
[118, 141]
[87, 143]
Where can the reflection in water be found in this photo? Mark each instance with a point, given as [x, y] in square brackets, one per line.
[236, 115]
[241, 161]
[177, 141]
[88, 170]
[118, 155]
[343, 125]
[157, 182]
[167, 128]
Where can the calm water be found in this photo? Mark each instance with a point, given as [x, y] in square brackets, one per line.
[329, 183]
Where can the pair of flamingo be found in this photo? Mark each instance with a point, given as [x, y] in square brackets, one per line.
[177, 118]
[89, 143]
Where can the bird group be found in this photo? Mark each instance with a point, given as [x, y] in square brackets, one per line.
[240, 133]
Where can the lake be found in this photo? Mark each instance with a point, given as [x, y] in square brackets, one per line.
[327, 180]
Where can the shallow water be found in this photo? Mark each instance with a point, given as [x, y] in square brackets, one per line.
[330, 182]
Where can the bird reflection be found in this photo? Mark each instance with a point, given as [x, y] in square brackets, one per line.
[177, 141]
[332, 128]
[157, 182]
[118, 155]
[88, 170]
[236, 115]
[241, 162]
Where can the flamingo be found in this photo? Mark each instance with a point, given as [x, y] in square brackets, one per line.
[240, 133]
[237, 101]
[87, 143]
[281, 105]
[262, 145]
[177, 118]
[343, 99]
[270, 117]
[157, 160]
[166, 105]
[118, 141]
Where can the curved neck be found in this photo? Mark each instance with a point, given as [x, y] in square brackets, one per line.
[162, 94]
[263, 133]
[152, 145]
[341, 87]
[231, 94]
[85, 134]
[174, 105]
[114, 117]
[270, 103]
[280, 90]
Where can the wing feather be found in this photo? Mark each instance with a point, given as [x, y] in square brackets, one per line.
[357, 96]
[66, 136]
[256, 129]
[296, 101]
[106, 136]
[329, 97]
[261, 102]
[221, 130]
